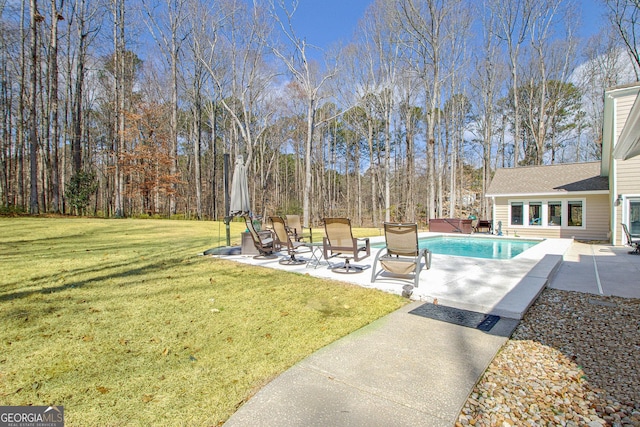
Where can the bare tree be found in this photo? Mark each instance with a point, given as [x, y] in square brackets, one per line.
[234, 53]
[54, 126]
[169, 34]
[410, 118]
[456, 110]
[119, 64]
[544, 17]
[86, 17]
[308, 76]
[198, 28]
[35, 18]
[513, 18]
[379, 40]
[426, 26]
[367, 82]
[352, 87]
[560, 64]
[10, 46]
[605, 66]
[20, 133]
[486, 89]
[625, 17]
[397, 107]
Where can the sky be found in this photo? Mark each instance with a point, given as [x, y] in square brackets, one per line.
[324, 22]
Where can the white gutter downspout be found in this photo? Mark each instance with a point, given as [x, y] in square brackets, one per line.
[612, 173]
[614, 214]
[493, 214]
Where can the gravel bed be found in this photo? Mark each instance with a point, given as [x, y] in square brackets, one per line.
[574, 360]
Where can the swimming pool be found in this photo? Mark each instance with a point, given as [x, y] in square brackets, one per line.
[475, 247]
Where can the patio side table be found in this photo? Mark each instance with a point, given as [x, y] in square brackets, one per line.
[315, 258]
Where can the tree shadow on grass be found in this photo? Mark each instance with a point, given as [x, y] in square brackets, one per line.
[99, 273]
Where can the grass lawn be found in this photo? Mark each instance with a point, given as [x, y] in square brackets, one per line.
[123, 323]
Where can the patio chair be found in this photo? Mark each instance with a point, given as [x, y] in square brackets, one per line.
[485, 224]
[284, 241]
[263, 241]
[402, 255]
[635, 244]
[339, 242]
[296, 230]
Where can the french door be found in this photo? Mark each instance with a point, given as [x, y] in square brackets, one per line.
[633, 216]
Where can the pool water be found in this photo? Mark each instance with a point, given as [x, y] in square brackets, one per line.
[476, 247]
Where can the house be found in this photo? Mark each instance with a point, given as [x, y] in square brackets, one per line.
[585, 201]
[621, 158]
[565, 200]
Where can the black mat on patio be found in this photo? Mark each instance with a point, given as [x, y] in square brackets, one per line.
[224, 250]
[469, 319]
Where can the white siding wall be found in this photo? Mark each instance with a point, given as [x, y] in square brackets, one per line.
[628, 176]
[628, 184]
[596, 217]
[625, 172]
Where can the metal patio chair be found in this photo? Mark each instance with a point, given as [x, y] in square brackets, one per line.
[402, 254]
[339, 242]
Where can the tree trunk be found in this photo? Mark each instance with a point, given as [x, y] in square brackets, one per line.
[119, 70]
[173, 169]
[53, 108]
[197, 146]
[77, 105]
[373, 174]
[33, 135]
[311, 110]
[387, 162]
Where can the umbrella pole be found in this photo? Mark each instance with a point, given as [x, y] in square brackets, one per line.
[227, 202]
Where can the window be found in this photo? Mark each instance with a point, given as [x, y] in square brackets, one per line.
[574, 214]
[516, 213]
[535, 213]
[634, 217]
[555, 213]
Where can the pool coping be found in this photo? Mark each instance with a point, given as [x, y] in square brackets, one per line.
[425, 236]
[503, 288]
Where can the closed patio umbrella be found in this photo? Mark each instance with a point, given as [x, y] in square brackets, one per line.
[239, 204]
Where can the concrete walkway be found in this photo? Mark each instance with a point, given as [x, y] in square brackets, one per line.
[402, 370]
[599, 269]
[417, 366]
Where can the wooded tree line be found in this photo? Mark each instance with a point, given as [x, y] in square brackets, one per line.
[118, 108]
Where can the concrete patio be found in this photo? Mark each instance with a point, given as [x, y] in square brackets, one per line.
[599, 269]
[425, 367]
[504, 288]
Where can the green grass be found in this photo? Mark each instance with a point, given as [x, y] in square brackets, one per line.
[123, 323]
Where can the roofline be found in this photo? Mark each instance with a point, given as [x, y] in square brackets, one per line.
[551, 165]
[628, 144]
[608, 121]
[558, 193]
[622, 87]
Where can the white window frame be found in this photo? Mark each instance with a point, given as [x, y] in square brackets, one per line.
[584, 214]
[545, 213]
[542, 215]
[626, 209]
[525, 206]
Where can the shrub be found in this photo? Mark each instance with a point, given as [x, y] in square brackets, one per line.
[79, 190]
